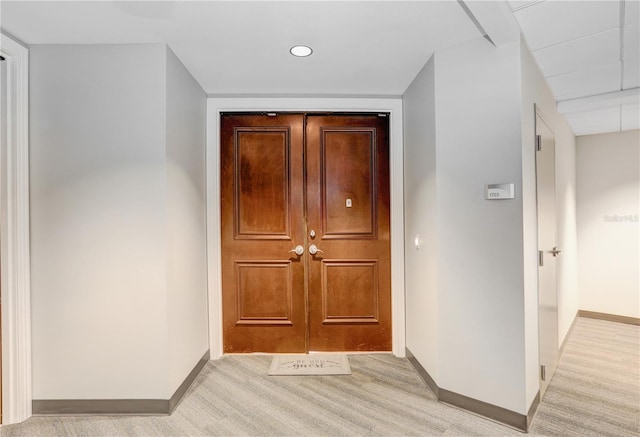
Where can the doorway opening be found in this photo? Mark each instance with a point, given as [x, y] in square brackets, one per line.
[305, 232]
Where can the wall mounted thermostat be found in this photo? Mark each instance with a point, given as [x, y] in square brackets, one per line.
[500, 191]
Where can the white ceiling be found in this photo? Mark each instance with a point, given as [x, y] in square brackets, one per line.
[589, 52]
[239, 47]
[584, 48]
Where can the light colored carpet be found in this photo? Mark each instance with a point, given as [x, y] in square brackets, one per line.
[595, 392]
[312, 364]
[596, 388]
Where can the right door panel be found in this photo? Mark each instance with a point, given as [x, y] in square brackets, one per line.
[349, 288]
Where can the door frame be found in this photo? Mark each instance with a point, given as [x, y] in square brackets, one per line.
[16, 289]
[217, 105]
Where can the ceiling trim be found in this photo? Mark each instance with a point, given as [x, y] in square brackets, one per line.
[494, 19]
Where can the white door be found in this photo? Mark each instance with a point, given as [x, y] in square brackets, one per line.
[547, 252]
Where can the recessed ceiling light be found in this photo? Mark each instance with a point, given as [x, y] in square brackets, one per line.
[301, 51]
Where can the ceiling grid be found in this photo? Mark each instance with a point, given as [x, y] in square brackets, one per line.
[589, 53]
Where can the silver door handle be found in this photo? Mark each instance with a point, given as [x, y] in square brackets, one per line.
[555, 251]
[299, 250]
[313, 249]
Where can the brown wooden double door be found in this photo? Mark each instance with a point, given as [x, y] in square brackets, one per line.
[290, 180]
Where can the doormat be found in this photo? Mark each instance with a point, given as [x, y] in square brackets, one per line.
[314, 364]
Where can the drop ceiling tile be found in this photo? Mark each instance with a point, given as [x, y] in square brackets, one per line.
[593, 122]
[601, 48]
[587, 82]
[631, 11]
[630, 117]
[631, 77]
[553, 22]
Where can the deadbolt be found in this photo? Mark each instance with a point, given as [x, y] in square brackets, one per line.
[312, 233]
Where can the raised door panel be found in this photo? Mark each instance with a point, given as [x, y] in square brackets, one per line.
[349, 182]
[262, 183]
[265, 292]
[350, 291]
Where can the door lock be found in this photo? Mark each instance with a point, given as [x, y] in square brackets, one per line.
[555, 251]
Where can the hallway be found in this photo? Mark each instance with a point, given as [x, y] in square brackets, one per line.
[384, 396]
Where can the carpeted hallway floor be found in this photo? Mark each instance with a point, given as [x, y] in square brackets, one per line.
[595, 392]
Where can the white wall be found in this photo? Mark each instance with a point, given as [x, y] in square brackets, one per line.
[108, 159]
[97, 232]
[465, 300]
[480, 241]
[472, 301]
[186, 220]
[608, 176]
[421, 265]
[536, 91]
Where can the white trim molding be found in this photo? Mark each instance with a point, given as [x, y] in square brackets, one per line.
[14, 239]
[393, 106]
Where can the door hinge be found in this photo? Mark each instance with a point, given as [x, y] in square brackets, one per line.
[540, 258]
[538, 142]
[543, 372]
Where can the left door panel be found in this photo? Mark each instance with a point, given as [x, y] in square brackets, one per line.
[262, 203]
